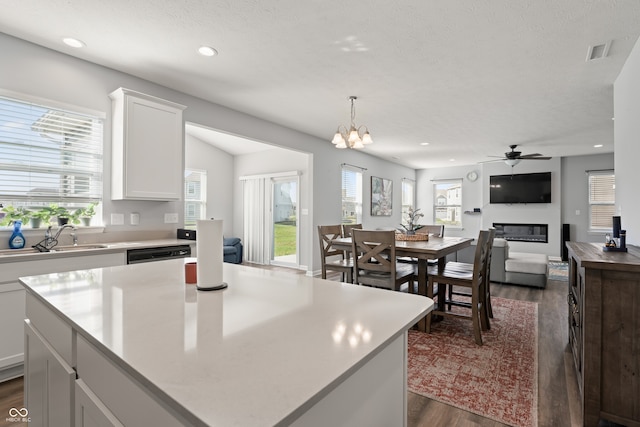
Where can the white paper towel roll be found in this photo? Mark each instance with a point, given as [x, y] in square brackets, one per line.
[210, 253]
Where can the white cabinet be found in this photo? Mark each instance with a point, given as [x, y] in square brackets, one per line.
[90, 411]
[11, 318]
[12, 301]
[147, 147]
[49, 380]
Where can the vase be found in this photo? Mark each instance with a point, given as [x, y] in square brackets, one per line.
[411, 232]
[86, 221]
[63, 221]
[35, 222]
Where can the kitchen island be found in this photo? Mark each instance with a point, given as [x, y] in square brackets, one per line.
[135, 345]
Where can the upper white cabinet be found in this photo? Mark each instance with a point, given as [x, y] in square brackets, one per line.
[147, 148]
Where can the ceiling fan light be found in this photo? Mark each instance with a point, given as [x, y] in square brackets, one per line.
[366, 138]
[512, 162]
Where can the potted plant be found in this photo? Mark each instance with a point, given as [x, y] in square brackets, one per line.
[12, 214]
[413, 216]
[84, 215]
[61, 213]
[36, 218]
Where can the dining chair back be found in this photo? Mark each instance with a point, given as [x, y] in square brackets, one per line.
[457, 274]
[346, 229]
[333, 259]
[436, 229]
[375, 260]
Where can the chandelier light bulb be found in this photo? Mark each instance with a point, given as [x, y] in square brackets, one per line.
[366, 139]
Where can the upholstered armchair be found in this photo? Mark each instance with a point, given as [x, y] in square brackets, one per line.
[232, 250]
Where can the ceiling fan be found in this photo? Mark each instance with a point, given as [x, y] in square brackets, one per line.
[514, 157]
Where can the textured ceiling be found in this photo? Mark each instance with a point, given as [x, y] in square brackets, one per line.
[470, 77]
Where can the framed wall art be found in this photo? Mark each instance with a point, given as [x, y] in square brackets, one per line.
[381, 196]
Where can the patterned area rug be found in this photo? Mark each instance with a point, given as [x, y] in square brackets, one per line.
[498, 380]
[559, 271]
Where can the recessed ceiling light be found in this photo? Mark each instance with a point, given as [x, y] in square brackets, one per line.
[207, 51]
[70, 41]
[598, 146]
[424, 143]
[452, 160]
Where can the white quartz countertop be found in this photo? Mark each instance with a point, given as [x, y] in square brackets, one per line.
[260, 352]
[30, 254]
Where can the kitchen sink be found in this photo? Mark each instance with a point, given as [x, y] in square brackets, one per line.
[76, 248]
[18, 251]
[68, 248]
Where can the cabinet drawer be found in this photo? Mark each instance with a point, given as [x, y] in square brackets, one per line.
[124, 396]
[57, 332]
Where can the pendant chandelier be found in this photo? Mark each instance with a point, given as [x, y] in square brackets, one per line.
[355, 137]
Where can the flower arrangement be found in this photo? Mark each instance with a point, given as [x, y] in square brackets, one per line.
[413, 216]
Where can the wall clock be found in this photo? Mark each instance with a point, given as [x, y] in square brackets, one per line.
[472, 176]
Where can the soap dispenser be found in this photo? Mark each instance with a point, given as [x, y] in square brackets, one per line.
[16, 241]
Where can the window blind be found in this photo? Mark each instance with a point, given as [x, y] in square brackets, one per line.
[602, 199]
[351, 195]
[49, 155]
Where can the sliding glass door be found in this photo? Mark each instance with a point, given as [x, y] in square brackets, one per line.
[284, 220]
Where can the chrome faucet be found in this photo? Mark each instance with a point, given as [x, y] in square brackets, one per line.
[51, 241]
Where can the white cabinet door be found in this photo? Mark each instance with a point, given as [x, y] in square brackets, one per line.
[12, 300]
[48, 382]
[11, 318]
[90, 411]
[147, 147]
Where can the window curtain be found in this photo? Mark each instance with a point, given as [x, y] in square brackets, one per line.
[254, 221]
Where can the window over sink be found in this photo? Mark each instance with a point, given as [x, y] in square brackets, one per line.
[50, 156]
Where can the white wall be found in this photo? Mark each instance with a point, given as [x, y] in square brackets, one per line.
[219, 167]
[575, 194]
[626, 96]
[476, 195]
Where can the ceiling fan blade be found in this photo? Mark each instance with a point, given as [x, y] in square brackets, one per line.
[535, 158]
[498, 157]
[527, 156]
[491, 161]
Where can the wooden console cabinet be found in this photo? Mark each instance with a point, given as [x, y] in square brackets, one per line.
[604, 331]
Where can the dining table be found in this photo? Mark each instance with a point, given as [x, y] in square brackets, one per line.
[436, 248]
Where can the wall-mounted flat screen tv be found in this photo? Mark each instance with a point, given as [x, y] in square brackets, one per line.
[520, 188]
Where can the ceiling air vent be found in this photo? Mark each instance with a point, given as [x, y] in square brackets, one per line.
[598, 51]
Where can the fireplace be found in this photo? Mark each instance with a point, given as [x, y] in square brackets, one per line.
[536, 233]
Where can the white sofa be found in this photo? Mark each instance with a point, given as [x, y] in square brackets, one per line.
[517, 268]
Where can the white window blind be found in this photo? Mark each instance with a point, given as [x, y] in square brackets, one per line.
[49, 155]
[195, 196]
[602, 198]
[408, 194]
[351, 195]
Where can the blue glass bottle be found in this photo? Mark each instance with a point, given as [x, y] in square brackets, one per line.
[16, 241]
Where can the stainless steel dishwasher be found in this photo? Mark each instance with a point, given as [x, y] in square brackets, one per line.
[135, 256]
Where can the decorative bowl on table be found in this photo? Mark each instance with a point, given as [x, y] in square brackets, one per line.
[412, 237]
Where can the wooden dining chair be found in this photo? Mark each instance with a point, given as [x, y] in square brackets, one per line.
[375, 260]
[334, 259]
[346, 229]
[469, 267]
[475, 280]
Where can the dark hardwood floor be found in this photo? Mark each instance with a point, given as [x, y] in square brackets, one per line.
[558, 403]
